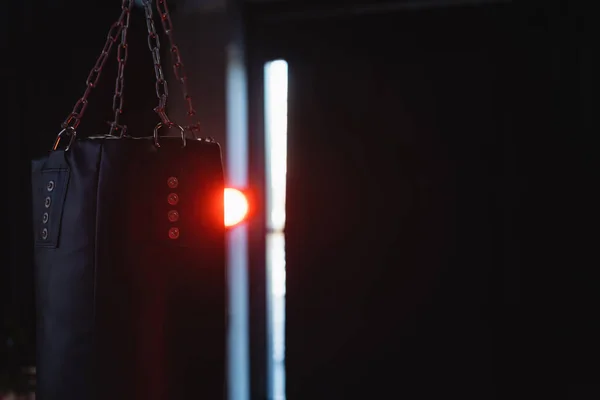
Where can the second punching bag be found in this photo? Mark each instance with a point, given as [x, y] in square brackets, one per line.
[129, 257]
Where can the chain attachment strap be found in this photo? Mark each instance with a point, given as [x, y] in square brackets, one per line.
[70, 124]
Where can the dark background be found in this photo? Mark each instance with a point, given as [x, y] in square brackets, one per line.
[440, 233]
[440, 186]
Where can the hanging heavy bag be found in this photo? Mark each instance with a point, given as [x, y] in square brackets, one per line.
[129, 253]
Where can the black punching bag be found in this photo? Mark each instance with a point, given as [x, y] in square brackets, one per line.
[129, 263]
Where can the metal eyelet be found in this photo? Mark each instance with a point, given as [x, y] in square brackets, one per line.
[45, 218]
[173, 199]
[47, 202]
[173, 182]
[44, 233]
[173, 215]
[174, 233]
[50, 186]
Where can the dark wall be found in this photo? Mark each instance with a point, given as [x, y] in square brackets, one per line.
[429, 249]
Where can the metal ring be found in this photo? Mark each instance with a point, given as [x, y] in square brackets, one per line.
[160, 125]
[67, 131]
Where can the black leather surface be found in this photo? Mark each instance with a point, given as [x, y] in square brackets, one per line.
[124, 311]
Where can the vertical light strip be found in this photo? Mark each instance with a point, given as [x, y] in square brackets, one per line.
[276, 94]
[276, 88]
[237, 237]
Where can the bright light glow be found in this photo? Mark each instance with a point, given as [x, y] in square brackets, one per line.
[276, 119]
[236, 207]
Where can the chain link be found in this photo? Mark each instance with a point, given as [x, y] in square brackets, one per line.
[162, 91]
[122, 55]
[162, 88]
[178, 66]
[71, 123]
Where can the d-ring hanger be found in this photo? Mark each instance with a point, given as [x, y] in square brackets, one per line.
[69, 130]
[160, 125]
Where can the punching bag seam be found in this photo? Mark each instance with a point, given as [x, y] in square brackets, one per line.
[98, 169]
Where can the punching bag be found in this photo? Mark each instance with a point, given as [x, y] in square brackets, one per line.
[129, 253]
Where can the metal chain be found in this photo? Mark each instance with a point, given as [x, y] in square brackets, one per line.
[122, 54]
[71, 123]
[162, 88]
[119, 28]
[178, 66]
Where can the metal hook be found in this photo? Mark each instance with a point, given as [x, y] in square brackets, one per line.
[160, 125]
[67, 131]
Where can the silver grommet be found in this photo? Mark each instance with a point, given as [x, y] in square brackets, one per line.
[50, 186]
[44, 233]
[173, 215]
[173, 182]
[47, 202]
[45, 218]
[174, 233]
[173, 199]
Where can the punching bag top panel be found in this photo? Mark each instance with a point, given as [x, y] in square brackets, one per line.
[58, 159]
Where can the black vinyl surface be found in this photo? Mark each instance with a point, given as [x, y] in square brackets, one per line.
[127, 308]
